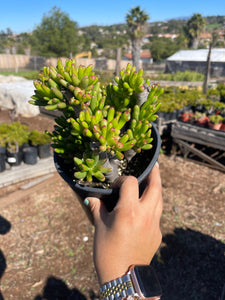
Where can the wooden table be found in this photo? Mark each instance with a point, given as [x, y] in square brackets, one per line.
[198, 140]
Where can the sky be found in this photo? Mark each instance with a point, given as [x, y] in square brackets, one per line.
[24, 16]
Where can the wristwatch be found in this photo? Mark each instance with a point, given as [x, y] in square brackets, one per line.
[138, 281]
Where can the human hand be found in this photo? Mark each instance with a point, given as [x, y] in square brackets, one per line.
[130, 234]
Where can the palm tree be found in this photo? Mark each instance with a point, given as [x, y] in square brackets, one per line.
[136, 20]
[193, 28]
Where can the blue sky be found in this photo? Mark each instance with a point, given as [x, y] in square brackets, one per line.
[24, 16]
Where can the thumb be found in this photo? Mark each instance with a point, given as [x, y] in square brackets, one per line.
[96, 208]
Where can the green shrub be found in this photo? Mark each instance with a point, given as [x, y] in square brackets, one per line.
[221, 89]
[2, 140]
[39, 138]
[182, 76]
[3, 134]
[175, 98]
[13, 135]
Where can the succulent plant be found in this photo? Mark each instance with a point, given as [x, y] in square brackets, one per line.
[100, 126]
[216, 119]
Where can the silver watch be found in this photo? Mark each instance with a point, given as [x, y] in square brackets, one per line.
[139, 281]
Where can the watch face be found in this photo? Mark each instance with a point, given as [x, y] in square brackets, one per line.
[148, 281]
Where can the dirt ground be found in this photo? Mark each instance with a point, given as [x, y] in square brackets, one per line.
[46, 239]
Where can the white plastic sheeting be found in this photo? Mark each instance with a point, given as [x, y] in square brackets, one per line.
[217, 55]
[15, 96]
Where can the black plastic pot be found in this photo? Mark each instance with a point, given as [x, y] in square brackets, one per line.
[14, 159]
[110, 196]
[44, 151]
[30, 155]
[2, 159]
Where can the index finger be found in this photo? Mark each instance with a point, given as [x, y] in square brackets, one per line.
[153, 191]
[128, 192]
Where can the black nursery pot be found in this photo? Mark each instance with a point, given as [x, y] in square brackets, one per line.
[30, 155]
[2, 159]
[110, 196]
[44, 151]
[14, 159]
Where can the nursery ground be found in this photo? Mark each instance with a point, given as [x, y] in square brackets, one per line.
[46, 239]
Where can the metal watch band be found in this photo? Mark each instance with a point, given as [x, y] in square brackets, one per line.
[117, 288]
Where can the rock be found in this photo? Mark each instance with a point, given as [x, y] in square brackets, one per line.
[11, 78]
[15, 95]
[219, 188]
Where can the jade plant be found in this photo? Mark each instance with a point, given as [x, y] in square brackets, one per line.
[100, 127]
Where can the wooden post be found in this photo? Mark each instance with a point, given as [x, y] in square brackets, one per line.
[207, 73]
[118, 61]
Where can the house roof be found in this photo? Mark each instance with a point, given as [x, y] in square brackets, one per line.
[205, 35]
[217, 55]
[143, 54]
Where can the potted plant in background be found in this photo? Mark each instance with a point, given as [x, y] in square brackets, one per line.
[200, 119]
[42, 141]
[104, 131]
[17, 138]
[2, 147]
[186, 116]
[223, 125]
[215, 121]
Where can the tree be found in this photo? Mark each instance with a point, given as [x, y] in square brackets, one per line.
[193, 28]
[7, 40]
[57, 35]
[161, 48]
[136, 20]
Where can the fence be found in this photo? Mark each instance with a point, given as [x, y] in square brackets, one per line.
[16, 62]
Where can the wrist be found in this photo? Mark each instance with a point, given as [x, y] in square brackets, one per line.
[111, 273]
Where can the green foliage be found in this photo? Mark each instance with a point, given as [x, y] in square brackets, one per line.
[161, 48]
[107, 38]
[175, 98]
[193, 28]
[214, 22]
[136, 21]
[98, 119]
[26, 74]
[216, 119]
[16, 134]
[213, 92]
[221, 89]
[39, 138]
[13, 135]
[91, 167]
[57, 35]
[3, 134]
[19, 42]
[182, 76]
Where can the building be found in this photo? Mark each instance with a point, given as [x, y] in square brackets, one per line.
[145, 56]
[205, 38]
[196, 60]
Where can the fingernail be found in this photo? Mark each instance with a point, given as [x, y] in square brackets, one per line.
[157, 164]
[86, 202]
